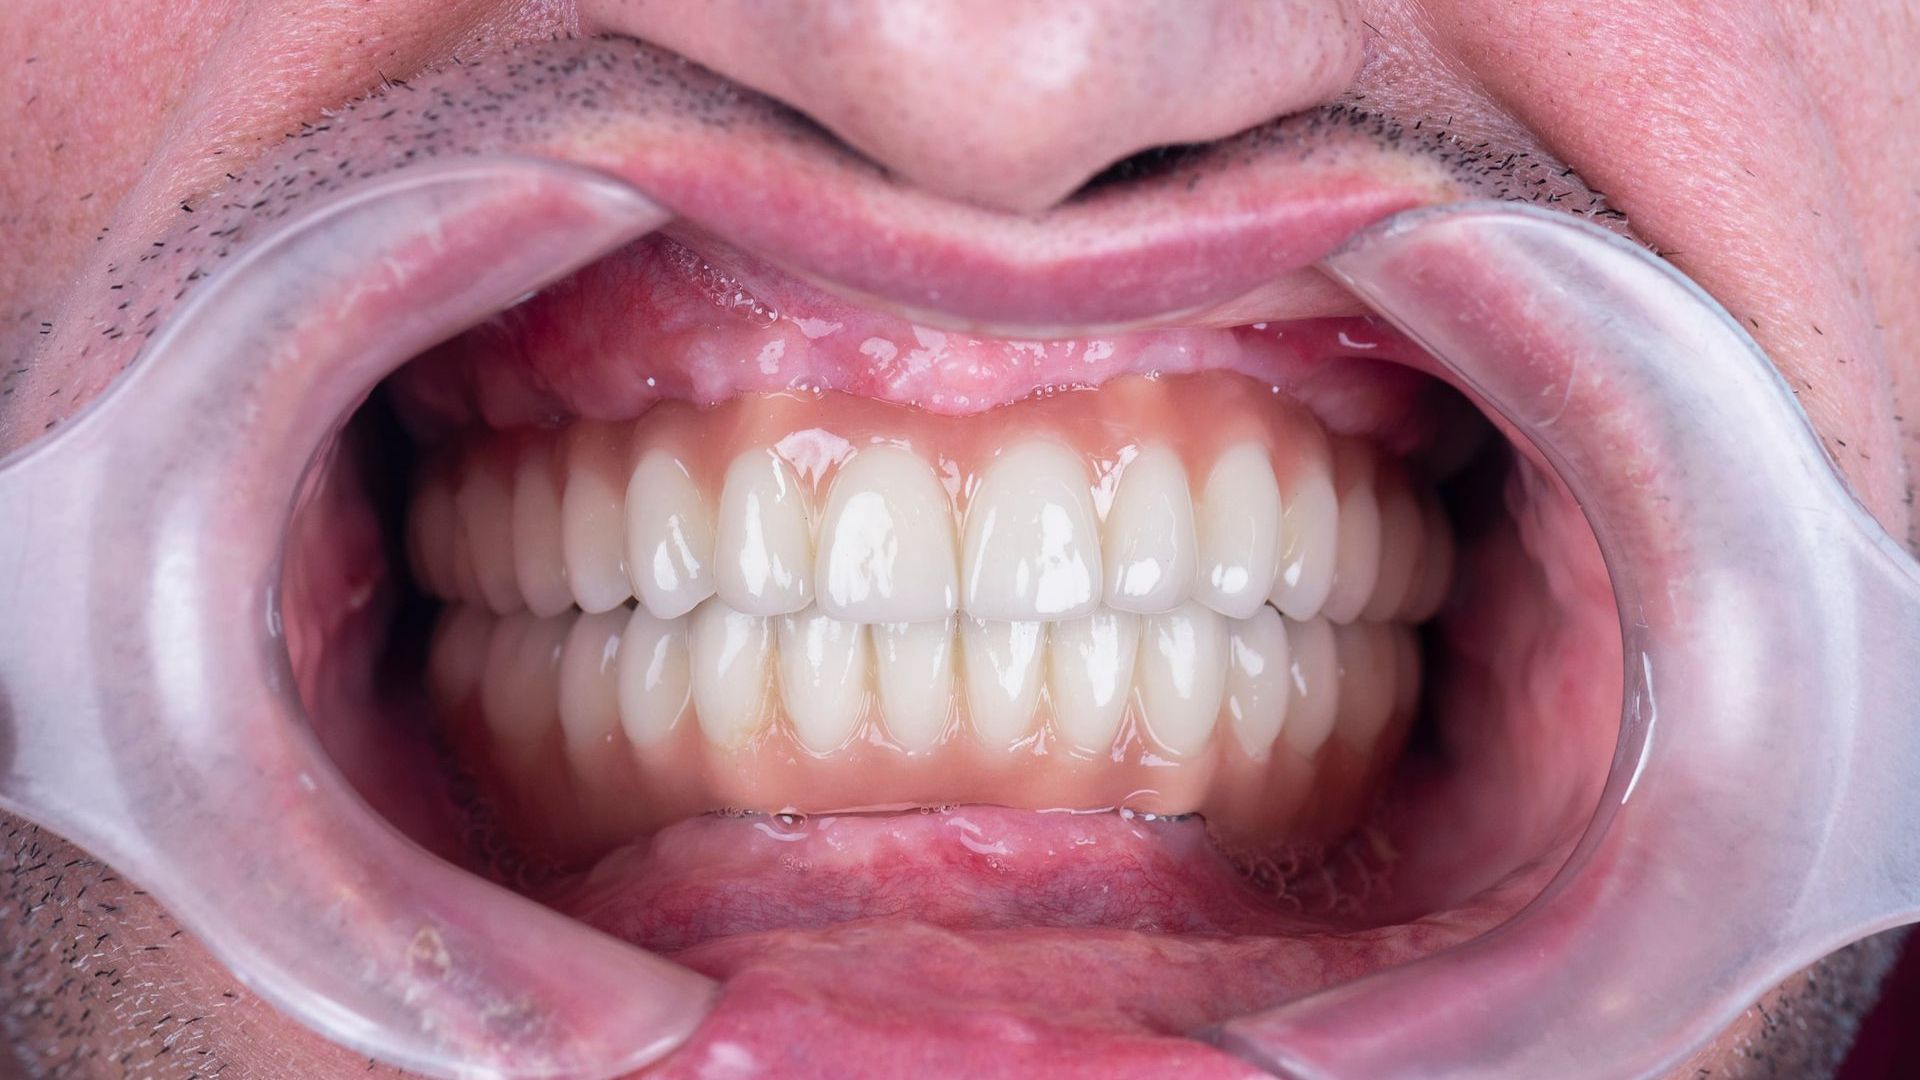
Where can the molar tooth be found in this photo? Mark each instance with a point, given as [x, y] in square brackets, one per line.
[1182, 676]
[486, 509]
[539, 559]
[915, 666]
[589, 683]
[1032, 548]
[731, 655]
[1002, 662]
[593, 516]
[1090, 676]
[1309, 542]
[1239, 532]
[669, 536]
[887, 541]
[1366, 683]
[655, 676]
[1400, 527]
[764, 546]
[458, 653]
[1313, 696]
[1436, 562]
[1259, 678]
[823, 678]
[520, 688]
[1149, 550]
[430, 525]
[1357, 563]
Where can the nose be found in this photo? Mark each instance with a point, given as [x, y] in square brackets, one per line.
[1013, 104]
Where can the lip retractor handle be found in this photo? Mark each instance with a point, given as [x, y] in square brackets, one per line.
[147, 707]
[1765, 792]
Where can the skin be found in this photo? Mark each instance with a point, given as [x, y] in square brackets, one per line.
[1756, 144]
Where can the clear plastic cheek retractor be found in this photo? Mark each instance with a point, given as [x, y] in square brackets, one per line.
[1752, 822]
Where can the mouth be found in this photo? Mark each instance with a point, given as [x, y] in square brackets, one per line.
[967, 638]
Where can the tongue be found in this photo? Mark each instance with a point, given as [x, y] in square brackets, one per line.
[1036, 943]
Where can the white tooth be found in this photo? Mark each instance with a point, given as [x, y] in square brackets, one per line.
[430, 524]
[539, 559]
[1033, 545]
[1309, 543]
[1366, 683]
[466, 586]
[1182, 676]
[1313, 696]
[1239, 532]
[486, 509]
[654, 676]
[1357, 563]
[520, 688]
[1149, 550]
[731, 657]
[1399, 551]
[915, 666]
[593, 516]
[590, 684]
[1090, 676]
[823, 678]
[764, 546]
[1436, 563]
[669, 536]
[458, 654]
[1002, 665]
[886, 548]
[1259, 680]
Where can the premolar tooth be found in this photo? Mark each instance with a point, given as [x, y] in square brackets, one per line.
[731, 657]
[1400, 528]
[1239, 532]
[486, 509]
[1002, 665]
[1436, 563]
[520, 688]
[1356, 564]
[1259, 678]
[1090, 676]
[669, 536]
[1313, 698]
[1182, 676]
[590, 683]
[458, 653]
[915, 666]
[539, 559]
[764, 547]
[1366, 683]
[593, 516]
[1309, 542]
[655, 676]
[887, 542]
[1032, 548]
[430, 525]
[823, 678]
[1149, 550]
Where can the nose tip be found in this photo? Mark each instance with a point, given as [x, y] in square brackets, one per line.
[1014, 105]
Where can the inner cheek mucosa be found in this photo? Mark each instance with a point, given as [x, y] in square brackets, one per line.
[1168, 595]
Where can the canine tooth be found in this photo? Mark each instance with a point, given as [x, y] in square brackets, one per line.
[1238, 527]
[1399, 548]
[763, 544]
[1149, 550]
[1182, 676]
[655, 676]
[1032, 542]
[1366, 683]
[1357, 562]
[458, 653]
[731, 658]
[1001, 661]
[914, 662]
[590, 683]
[1436, 563]
[1309, 543]
[430, 525]
[1313, 696]
[539, 559]
[1259, 678]
[593, 517]
[520, 688]
[887, 551]
[486, 510]
[823, 678]
[1090, 676]
[669, 536]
